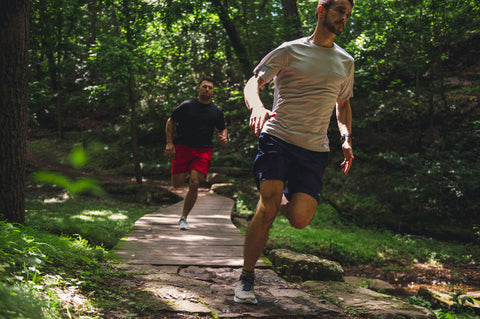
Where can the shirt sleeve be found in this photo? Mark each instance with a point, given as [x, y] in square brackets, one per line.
[220, 124]
[271, 64]
[346, 91]
[177, 113]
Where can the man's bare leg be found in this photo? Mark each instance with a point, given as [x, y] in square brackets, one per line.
[256, 237]
[178, 179]
[271, 192]
[195, 179]
[300, 210]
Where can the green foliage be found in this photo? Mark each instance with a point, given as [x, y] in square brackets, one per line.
[17, 303]
[78, 158]
[78, 186]
[416, 90]
[459, 310]
[29, 260]
[328, 237]
[419, 301]
[61, 249]
[101, 222]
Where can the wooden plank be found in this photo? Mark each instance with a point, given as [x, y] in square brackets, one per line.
[211, 241]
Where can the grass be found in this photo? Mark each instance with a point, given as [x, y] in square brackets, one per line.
[100, 222]
[328, 237]
[35, 264]
[64, 250]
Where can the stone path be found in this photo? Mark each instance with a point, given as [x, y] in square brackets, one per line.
[195, 272]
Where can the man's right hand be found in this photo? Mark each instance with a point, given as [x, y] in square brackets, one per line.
[170, 149]
[258, 117]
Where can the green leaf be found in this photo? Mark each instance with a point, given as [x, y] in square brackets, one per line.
[78, 157]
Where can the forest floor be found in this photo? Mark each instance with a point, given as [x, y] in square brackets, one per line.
[407, 279]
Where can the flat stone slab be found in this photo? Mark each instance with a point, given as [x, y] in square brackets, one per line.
[209, 291]
[369, 303]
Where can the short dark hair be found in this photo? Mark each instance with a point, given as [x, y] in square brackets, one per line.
[206, 78]
[326, 4]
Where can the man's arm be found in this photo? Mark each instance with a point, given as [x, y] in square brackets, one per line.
[223, 136]
[344, 121]
[254, 104]
[169, 130]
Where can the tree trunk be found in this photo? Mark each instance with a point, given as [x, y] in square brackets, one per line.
[132, 99]
[235, 40]
[292, 20]
[133, 128]
[14, 28]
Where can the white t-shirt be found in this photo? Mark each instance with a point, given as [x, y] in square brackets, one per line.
[309, 79]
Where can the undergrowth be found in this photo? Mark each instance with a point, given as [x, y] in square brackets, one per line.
[59, 265]
[329, 237]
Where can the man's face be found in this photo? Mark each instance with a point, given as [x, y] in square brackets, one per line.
[337, 15]
[205, 90]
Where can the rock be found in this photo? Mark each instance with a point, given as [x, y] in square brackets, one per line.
[223, 188]
[215, 178]
[364, 301]
[300, 267]
[473, 294]
[206, 290]
[370, 283]
[443, 300]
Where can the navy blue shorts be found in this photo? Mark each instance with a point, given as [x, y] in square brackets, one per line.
[300, 169]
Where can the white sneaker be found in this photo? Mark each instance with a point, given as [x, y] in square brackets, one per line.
[183, 224]
[244, 293]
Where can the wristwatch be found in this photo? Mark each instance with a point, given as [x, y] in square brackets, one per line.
[344, 136]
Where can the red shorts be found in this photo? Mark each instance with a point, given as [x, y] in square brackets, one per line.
[187, 158]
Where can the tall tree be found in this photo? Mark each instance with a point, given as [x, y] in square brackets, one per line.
[13, 103]
[131, 87]
[292, 20]
[233, 35]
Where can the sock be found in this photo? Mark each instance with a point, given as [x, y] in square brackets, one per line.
[247, 275]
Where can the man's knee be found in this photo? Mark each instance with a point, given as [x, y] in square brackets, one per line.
[300, 210]
[194, 183]
[178, 180]
[267, 210]
[196, 178]
[299, 222]
[177, 185]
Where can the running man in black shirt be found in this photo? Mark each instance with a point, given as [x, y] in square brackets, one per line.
[194, 121]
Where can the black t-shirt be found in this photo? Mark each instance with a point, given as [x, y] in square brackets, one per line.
[196, 123]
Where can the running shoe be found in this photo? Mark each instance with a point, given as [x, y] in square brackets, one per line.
[244, 292]
[183, 224]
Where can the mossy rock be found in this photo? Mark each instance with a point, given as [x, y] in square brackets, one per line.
[301, 267]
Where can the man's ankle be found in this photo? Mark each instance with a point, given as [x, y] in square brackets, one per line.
[247, 275]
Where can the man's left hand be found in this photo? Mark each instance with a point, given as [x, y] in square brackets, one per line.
[348, 154]
[223, 139]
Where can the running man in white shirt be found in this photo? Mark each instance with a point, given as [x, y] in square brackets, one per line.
[312, 76]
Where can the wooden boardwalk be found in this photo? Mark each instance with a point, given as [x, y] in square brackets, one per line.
[212, 239]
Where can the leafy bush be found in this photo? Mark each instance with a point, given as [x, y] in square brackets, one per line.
[18, 303]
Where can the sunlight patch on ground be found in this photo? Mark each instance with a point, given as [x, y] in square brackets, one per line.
[59, 199]
[92, 215]
[96, 213]
[83, 217]
[117, 216]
